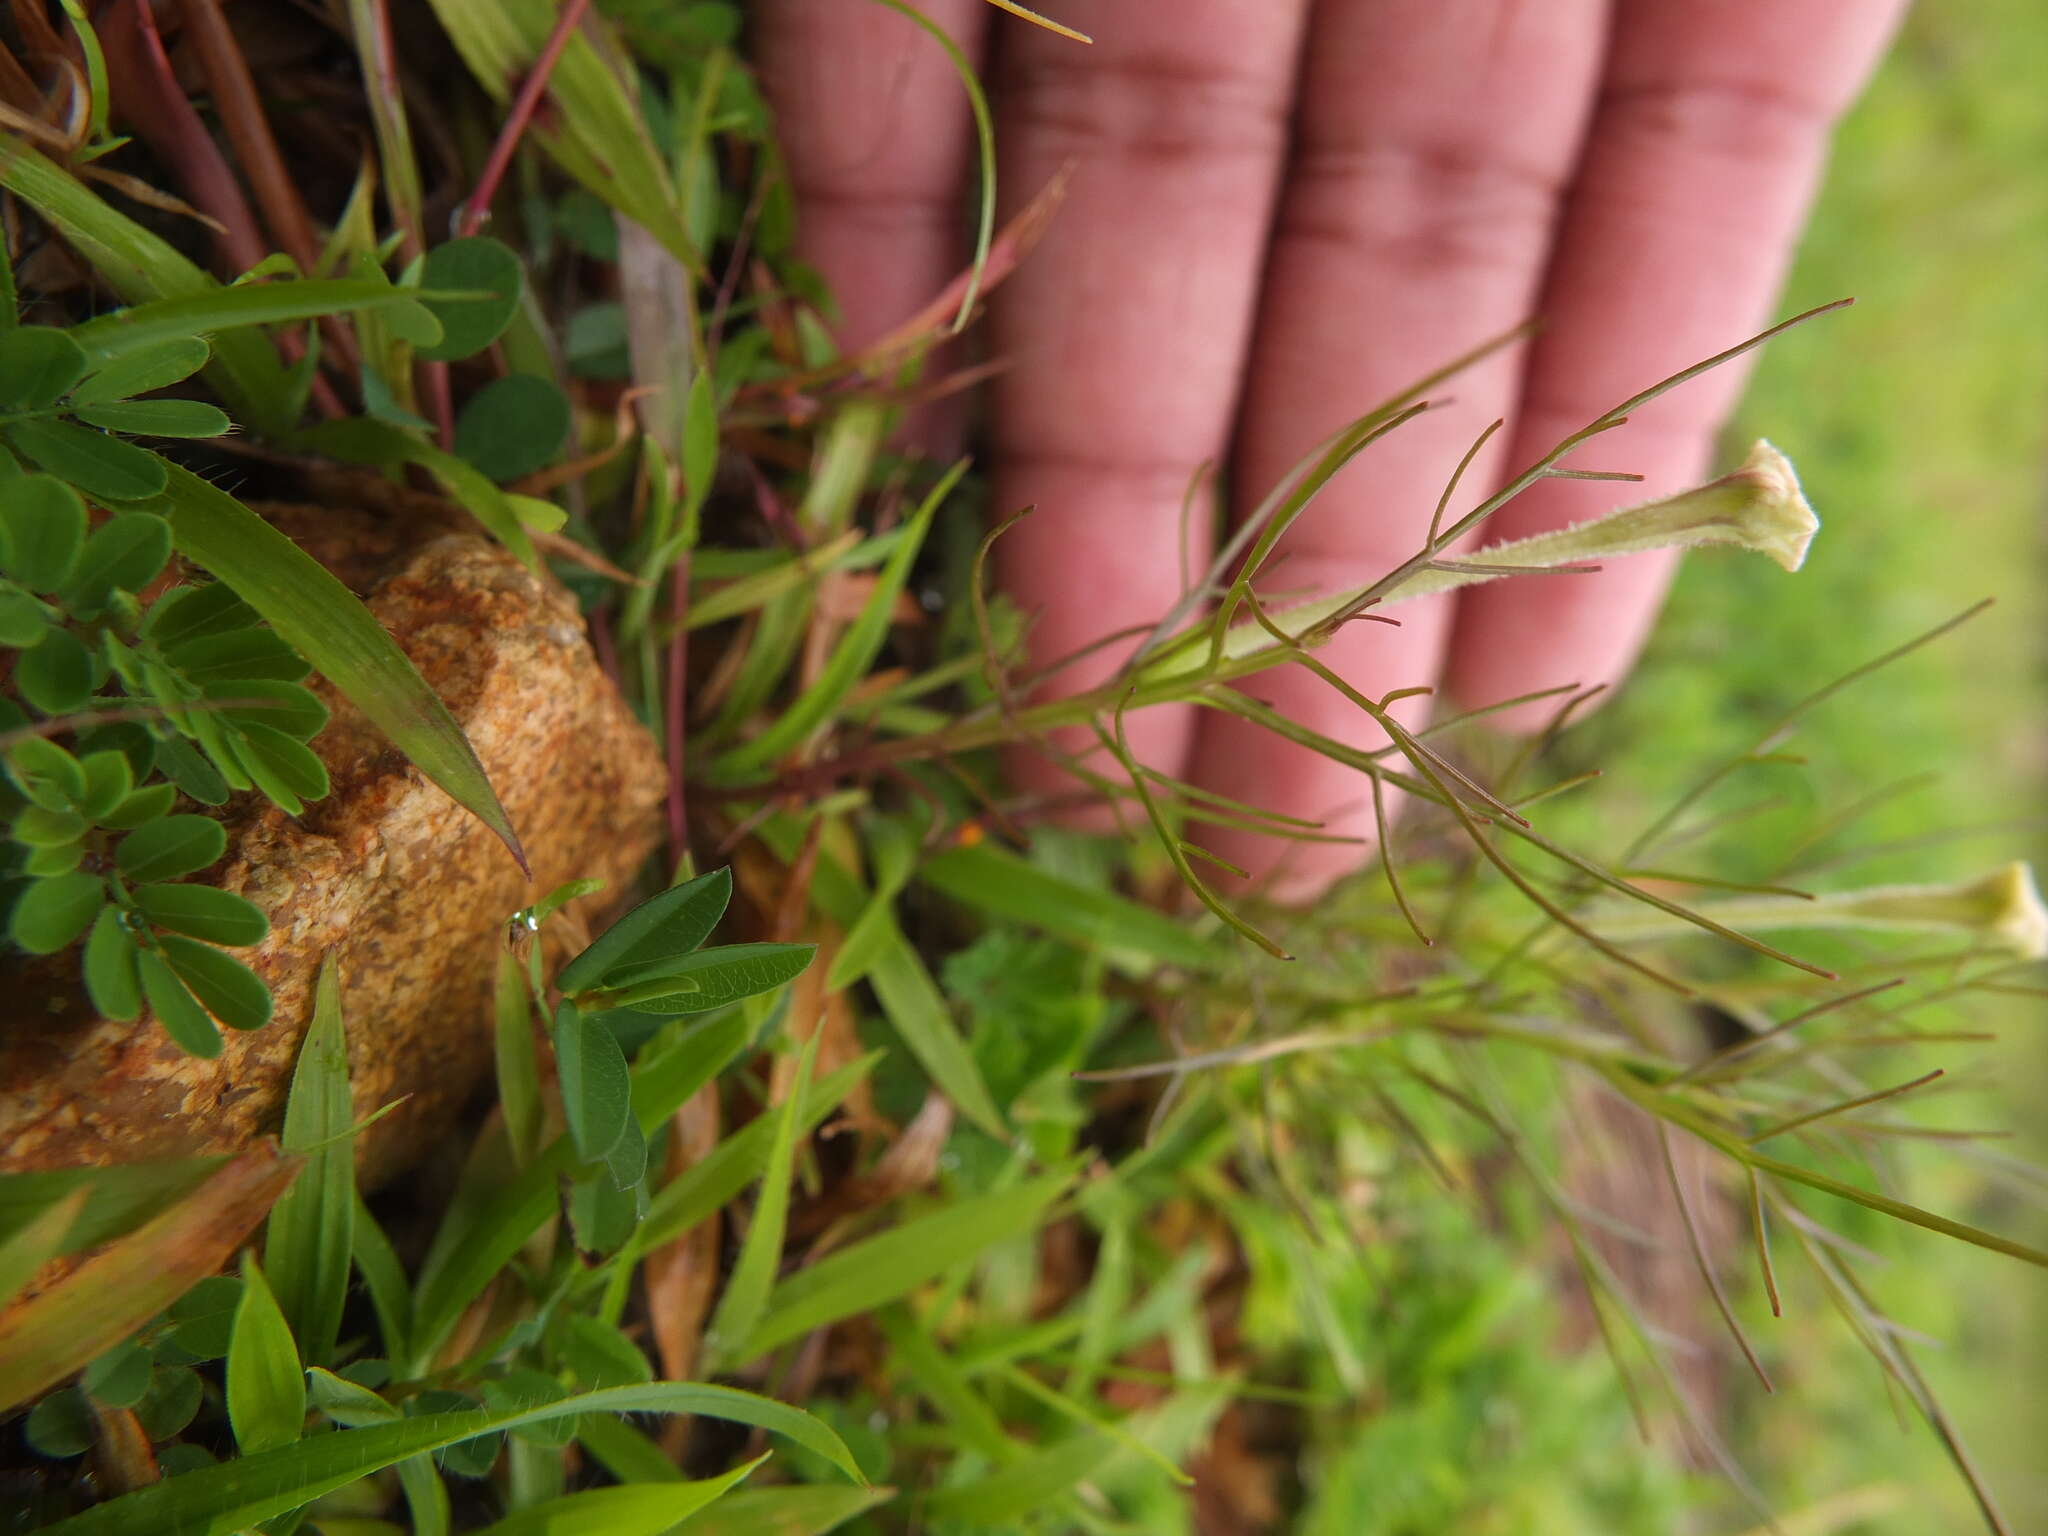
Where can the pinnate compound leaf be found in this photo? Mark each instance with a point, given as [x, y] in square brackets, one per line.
[237, 1494]
[174, 846]
[158, 418]
[58, 675]
[230, 991]
[111, 979]
[44, 525]
[266, 1383]
[669, 924]
[324, 622]
[38, 363]
[125, 554]
[202, 912]
[108, 781]
[141, 806]
[474, 264]
[181, 1014]
[137, 372]
[51, 913]
[283, 767]
[105, 468]
[50, 776]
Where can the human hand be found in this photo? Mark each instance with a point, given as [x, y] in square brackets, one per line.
[1283, 212]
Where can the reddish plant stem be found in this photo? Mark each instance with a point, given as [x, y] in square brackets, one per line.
[524, 105]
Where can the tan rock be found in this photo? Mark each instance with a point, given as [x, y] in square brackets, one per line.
[407, 889]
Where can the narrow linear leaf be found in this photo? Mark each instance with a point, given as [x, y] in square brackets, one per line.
[799, 1511]
[894, 1263]
[220, 1500]
[158, 418]
[310, 1237]
[327, 625]
[143, 328]
[105, 468]
[998, 882]
[636, 1509]
[746, 1291]
[710, 978]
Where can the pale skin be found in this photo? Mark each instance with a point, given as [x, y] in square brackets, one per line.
[1282, 212]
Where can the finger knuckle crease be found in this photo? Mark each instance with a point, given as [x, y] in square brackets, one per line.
[1154, 107]
[1740, 119]
[1422, 203]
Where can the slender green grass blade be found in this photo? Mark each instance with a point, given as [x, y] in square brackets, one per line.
[231, 1496]
[889, 1266]
[801, 1511]
[634, 1509]
[311, 1230]
[998, 882]
[327, 625]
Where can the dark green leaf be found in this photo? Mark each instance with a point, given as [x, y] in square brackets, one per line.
[231, 992]
[711, 978]
[669, 924]
[513, 426]
[58, 675]
[196, 775]
[235, 1495]
[62, 1423]
[596, 1090]
[194, 611]
[346, 1403]
[44, 523]
[144, 805]
[60, 859]
[51, 777]
[266, 1384]
[602, 1216]
[22, 620]
[174, 846]
[205, 1317]
[240, 653]
[105, 468]
[120, 1377]
[476, 263]
[143, 369]
[285, 707]
[201, 912]
[171, 1403]
[125, 553]
[283, 767]
[176, 1009]
[51, 913]
[158, 418]
[108, 782]
[38, 363]
[311, 1230]
[325, 623]
[601, 1356]
[110, 976]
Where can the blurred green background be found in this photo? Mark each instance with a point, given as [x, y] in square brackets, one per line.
[1919, 421]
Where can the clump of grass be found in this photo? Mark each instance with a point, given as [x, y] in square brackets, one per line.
[1025, 1204]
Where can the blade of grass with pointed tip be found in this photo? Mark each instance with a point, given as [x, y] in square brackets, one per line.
[311, 1232]
[851, 659]
[633, 1509]
[266, 1383]
[798, 1511]
[329, 626]
[998, 882]
[126, 331]
[746, 1290]
[29, 1247]
[890, 1265]
[231, 1496]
